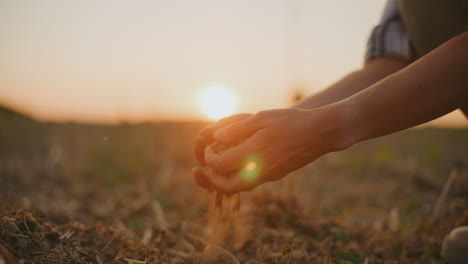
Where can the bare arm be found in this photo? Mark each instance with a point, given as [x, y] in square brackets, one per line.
[284, 140]
[432, 86]
[372, 72]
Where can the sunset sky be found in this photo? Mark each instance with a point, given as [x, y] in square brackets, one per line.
[113, 60]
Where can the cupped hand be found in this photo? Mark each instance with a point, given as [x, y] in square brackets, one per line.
[205, 137]
[276, 143]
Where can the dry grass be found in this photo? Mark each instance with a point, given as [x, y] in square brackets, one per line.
[73, 193]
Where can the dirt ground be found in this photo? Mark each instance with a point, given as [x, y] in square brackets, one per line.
[80, 193]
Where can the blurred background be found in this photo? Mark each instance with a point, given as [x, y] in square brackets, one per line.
[111, 61]
[100, 101]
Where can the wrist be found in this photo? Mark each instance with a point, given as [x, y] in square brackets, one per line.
[353, 129]
[340, 120]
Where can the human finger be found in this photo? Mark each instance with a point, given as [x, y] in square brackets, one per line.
[199, 144]
[209, 130]
[237, 131]
[230, 184]
[201, 179]
[205, 136]
[233, 158]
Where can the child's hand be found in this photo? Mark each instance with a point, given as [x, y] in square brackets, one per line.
[278, 142]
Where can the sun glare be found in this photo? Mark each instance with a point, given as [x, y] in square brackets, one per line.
[217, 102]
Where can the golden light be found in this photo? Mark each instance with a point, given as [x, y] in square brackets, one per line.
[217, 102]
[251, 166]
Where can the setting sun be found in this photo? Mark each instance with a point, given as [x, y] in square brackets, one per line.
[217, 102]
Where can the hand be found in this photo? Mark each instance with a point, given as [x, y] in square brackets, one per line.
[278, 142]
[205, 137]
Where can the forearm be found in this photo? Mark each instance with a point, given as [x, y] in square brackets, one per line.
[434, 85]
[372, 72]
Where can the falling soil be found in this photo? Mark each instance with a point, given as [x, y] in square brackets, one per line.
[224, 211]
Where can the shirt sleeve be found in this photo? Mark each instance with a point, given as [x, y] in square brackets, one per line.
[390, 38]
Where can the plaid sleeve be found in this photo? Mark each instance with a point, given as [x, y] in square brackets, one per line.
[390, 38]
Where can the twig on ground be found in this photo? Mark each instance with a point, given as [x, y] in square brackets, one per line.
[187, 244]
[443, 196]
[226, 252]
[99, 260]
[26, 224]
[160, 237]
[208, 244]
[67, 234]
[6, 247]
[108, 244]
[159, 214]
[6, 256]
[147, 235]
[394, 219]
[177, 253]
[123, 229]
[135, 206]
[134, 261]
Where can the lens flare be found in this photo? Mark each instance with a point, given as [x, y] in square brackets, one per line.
[252, 168]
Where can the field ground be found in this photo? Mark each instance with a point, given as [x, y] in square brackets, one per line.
[77, 193]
